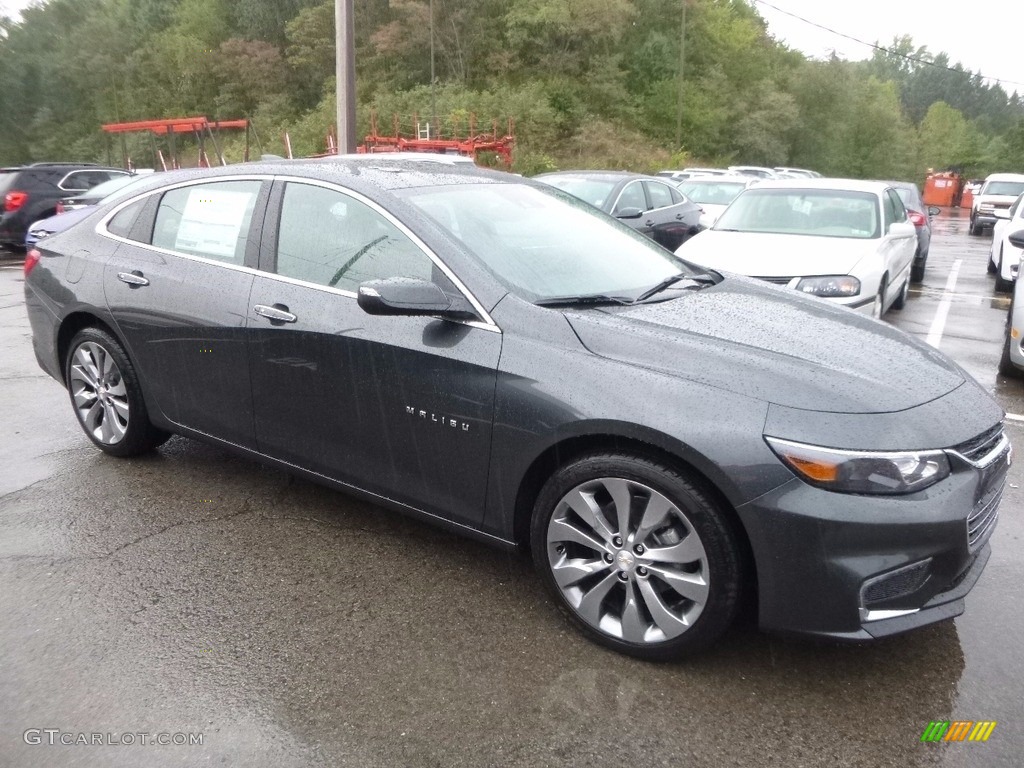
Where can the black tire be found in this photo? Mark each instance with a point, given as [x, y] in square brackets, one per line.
[1006, 366]
[901, 300]
[974, 229]
[139, 435]
[991, 267]
[1002, 286]
[694, 511]
[918, 265]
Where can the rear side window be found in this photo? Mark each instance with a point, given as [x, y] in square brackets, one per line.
[122, 222]
[209, 220]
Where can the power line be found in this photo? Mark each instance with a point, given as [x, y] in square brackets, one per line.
[889, 51]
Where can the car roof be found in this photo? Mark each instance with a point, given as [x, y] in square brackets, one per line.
[848, 185]
[1005, 177]
[363, 171]
[609, 175]
[736, 178]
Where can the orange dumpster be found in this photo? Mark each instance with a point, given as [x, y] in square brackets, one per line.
[941, 189]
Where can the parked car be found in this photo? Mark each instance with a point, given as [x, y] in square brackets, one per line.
[714, 193]
[491, 354]
[77, 208]
[848, 241]
[920, 216]
[651, 206]
[31, 193]
[754, 170]
[1011, 361]
[996, 194]
[804, 172]
[1004, 256]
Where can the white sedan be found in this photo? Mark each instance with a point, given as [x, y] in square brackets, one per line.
[847, 241]
[1004, 258]
[714, 193]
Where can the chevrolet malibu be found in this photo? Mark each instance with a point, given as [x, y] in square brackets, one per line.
[848, 241]
[496, 356]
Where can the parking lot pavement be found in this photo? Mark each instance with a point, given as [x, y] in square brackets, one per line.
[195, 593]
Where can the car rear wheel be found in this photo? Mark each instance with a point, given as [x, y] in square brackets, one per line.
[1006, 366]
[1002, 285]
[917, 268]
[106, 396]
[637, 555]
[901, 300]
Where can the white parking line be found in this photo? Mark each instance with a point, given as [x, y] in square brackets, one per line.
[1015, 417]
[939, 323]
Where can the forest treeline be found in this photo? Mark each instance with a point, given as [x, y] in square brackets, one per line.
[589, 83]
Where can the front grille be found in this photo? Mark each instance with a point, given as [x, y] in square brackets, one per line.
[775, 280]
[978, 447]
[896, 584]
[983, 519]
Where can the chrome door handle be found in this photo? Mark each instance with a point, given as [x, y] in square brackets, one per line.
[273, 313]
[132, 278]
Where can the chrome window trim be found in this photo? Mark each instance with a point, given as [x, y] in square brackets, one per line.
[486, 324]
[662, 208]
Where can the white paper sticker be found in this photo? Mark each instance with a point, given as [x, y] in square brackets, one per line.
[212, 221]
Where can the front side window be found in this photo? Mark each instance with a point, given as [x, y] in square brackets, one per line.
[632, 196]
[328, 238]
[209, 220]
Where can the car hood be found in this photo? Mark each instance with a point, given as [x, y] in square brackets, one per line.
[770, 255]
[774, 345]
[62, 221]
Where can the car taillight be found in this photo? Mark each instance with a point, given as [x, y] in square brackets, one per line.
[918, 219]
[14, 200]
[31, 259]
[60, 207]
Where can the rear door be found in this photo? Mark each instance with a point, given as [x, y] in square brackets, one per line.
[180, 297]
[399, 406]
[671, 216]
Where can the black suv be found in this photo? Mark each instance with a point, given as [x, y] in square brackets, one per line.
[31, 192]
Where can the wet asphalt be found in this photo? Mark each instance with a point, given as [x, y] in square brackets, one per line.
[192, 592]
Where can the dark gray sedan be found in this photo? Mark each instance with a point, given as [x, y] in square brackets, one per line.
[498, 357]
[646, 203]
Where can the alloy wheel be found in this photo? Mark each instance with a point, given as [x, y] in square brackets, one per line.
[627, 560]
[99, 393]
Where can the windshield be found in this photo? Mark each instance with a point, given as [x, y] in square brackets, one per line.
[594, 191]
[818, 212]
[546, 245]
[711, 192]
[1008, 188]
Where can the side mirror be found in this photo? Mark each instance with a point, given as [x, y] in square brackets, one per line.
[1001, 213]
[1017, 238]
[934, 210]
[628, 213]
[902, 229]
[409, 296]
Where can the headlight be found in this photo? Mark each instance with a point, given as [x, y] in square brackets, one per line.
[831, 286]
[862, 471]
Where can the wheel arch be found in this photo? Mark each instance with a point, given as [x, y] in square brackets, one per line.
[651, 445]
[72, 324]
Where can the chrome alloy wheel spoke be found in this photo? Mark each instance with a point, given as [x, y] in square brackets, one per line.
[628, 560]
[99, 393]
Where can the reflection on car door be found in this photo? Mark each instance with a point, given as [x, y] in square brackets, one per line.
[180, 298]
[399, 406]
[668, 215]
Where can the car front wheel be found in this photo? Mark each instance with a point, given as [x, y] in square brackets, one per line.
[637, 555]
[106, 396]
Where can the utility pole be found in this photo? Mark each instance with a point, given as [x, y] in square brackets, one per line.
[682, 65]
[346, 75]
[433, 79]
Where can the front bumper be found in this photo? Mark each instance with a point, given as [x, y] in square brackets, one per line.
[853, 567]
[985, 220]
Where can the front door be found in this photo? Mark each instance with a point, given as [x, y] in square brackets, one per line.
[399, 406]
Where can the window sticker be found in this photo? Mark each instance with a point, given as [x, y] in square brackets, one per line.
[212, 221]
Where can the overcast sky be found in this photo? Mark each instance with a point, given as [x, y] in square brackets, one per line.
[986, 40]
